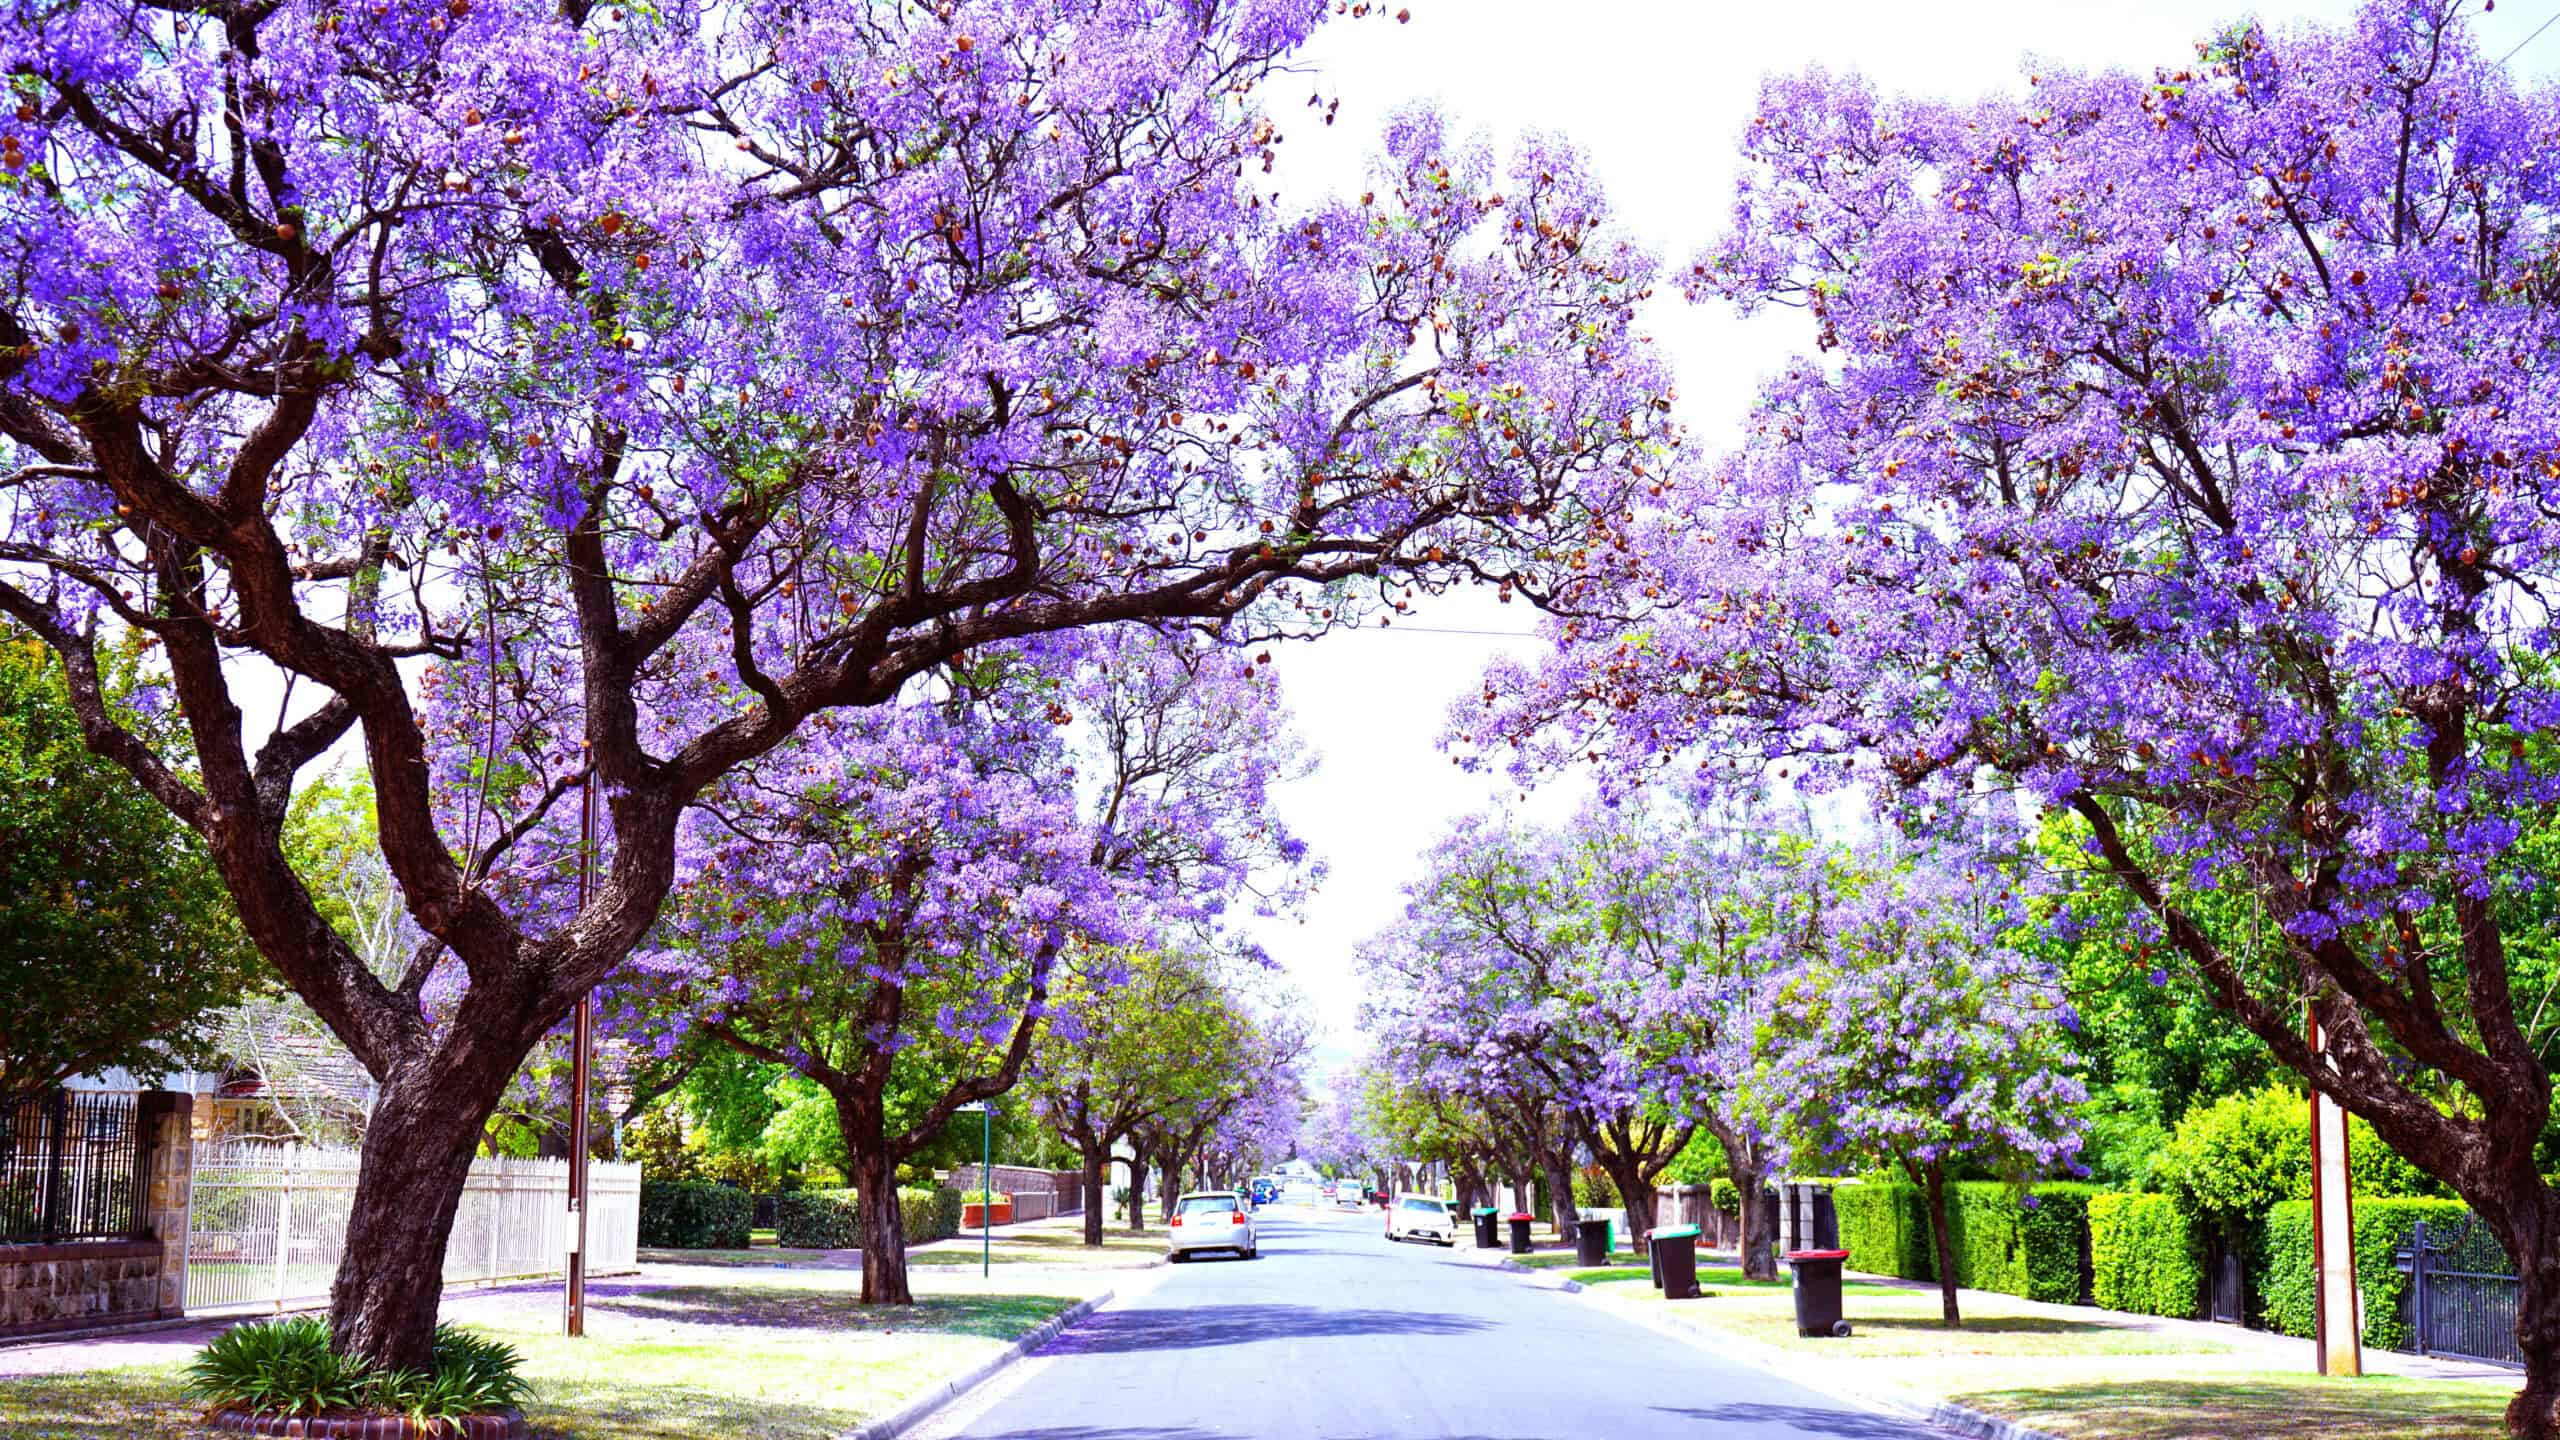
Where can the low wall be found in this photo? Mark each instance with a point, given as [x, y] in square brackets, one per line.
[1063, 1189]
[78, 1284]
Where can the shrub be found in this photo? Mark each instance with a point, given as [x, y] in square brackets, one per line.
[1885, 1229]
[1592, 1188]
[2146, 1256]
[694, 1215]
[285, 1367]
[2382, 1226]
[981, 1197]
[2034, 1244]
[929, 1213]
[817, 1220]
[1727, 1196]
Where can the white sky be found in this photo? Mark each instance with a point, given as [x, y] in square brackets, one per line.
[1655, 92]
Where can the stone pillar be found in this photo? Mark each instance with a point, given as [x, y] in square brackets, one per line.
[167, 1123]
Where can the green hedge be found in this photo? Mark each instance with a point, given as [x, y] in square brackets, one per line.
[817, 1220]
[694, 1215]
[2382, 1227]
[832, 1219]
[1725, 1196]
[1885, 1229]
[2146, 1256]
[2036, 1245]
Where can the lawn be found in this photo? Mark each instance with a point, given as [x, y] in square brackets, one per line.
[2080, 1379]
[2262, 1405]
[692, 1362]
[1120, 1250]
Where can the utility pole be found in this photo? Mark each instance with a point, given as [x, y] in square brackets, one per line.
[582, 1032]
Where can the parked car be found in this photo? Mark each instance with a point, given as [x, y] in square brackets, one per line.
[1421, 1217]
[1210, 1220]
[1263, 1188]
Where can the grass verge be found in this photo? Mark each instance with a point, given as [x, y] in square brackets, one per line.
[2260, 1404]
[709, 1362]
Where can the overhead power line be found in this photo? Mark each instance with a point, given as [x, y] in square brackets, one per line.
[2529, 39]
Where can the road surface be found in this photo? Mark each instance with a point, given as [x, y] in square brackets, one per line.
[1335, 1334]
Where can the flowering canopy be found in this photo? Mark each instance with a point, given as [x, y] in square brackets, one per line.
[694, 370]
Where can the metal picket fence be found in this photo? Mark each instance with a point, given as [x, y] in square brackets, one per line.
[269, 1223]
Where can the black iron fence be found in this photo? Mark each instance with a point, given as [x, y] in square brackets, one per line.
[2462, 1292]
[72, 1167]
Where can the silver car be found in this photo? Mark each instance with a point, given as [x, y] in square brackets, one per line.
[1211, 1220]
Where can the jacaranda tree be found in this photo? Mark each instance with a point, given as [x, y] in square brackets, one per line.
[698, 370]
[2177, 450]
[1921, 1038]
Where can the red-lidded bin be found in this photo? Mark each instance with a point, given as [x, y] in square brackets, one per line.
[1520, 1224]
[1817, 1287]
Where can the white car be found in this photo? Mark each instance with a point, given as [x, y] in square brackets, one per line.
[1211, 1220]
[1421, 1217]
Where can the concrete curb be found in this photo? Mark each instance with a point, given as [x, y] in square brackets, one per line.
[1542, 1279]
[906, 1417]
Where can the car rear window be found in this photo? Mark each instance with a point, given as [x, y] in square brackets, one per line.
[1208, 1204]
[1432, 1206]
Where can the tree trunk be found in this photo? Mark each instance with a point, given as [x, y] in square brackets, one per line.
[416, 1158]
[1934, 1182]
[1748, 1169]
[1096, 1160]
[1560, 1194]
[1168, 1185]
[884, 1230]
[2529, 1227]
[1470, 1183]
[1137, 1193]
[1635, 1192]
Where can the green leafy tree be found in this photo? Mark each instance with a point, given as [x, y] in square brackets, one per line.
[118, 945]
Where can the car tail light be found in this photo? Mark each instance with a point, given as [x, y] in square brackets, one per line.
[1239, 1217]
[1177, 1222]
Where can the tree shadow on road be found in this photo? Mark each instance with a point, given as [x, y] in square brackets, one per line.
[1200, 1327]
[1803, 1419]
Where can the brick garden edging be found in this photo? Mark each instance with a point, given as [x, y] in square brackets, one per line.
[498, 1425]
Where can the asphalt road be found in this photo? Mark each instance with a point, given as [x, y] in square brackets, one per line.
[1335, 1334]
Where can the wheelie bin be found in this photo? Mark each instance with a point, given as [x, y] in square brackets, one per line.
[1488, 1228]
[1520, 1224]
[1817, 1286]
[1591, 1242]
[1674, 1252]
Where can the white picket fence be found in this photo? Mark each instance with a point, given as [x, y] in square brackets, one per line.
[268, 1223]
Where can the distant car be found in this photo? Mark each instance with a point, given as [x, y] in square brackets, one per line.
[1263, 1188]
[1211, 1220]
[1421, 1217]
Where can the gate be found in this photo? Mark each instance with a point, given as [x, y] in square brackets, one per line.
[2462, 1292]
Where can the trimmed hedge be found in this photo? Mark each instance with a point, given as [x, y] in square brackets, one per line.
[2036, 1245]
[2146, 1256]
[2382, 1227]
[832, 1219]
[1885, 1229]
[817, 1220]
[1725, 1196]
[694, 1215]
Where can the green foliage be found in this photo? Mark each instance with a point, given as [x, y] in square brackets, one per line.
[832, 1219]
[929, 1213]
[1591, 1188]
[1885, 1229]
[695, 1215]
[2122, 1136]
[2382, 1224]
[286, 1367]
[817, 1220]
[982, 1197]
[118, 941]
[2234, 1160]
[1700, 1162]
[2034, 1244]
[2146, 1256]
[1727, 1196]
